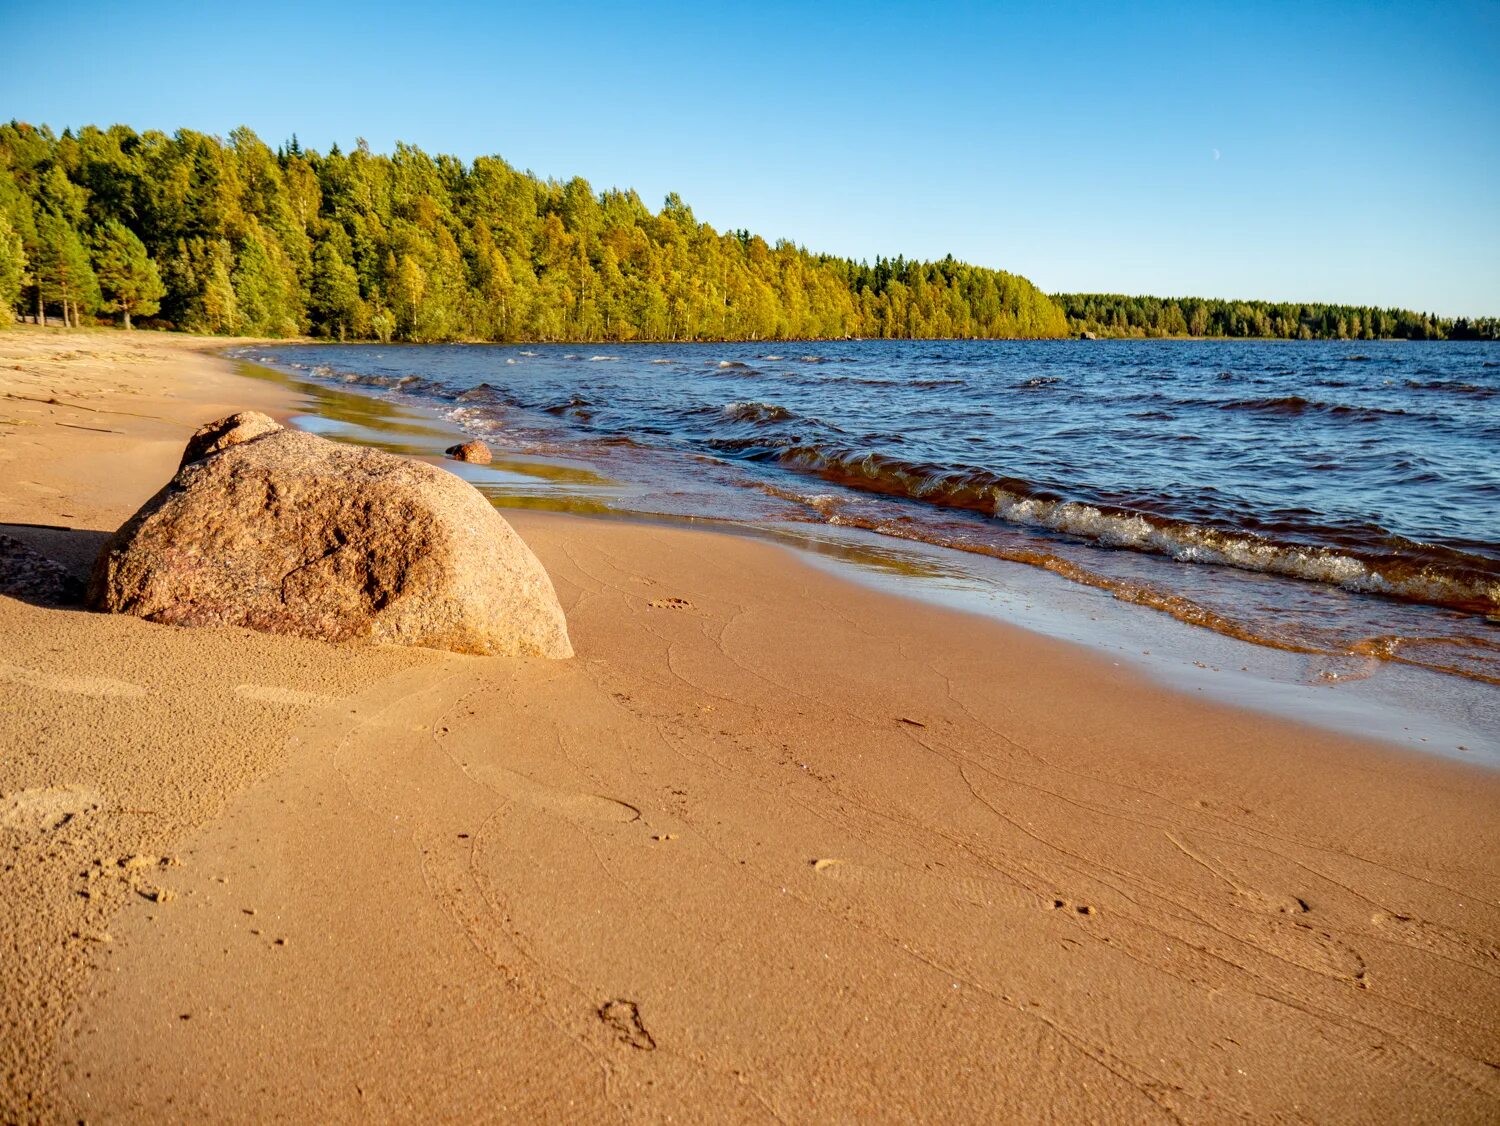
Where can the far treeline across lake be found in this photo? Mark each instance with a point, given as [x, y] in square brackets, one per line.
[192, 232]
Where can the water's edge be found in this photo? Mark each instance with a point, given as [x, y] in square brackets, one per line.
[1405, 706]
[1354, 534]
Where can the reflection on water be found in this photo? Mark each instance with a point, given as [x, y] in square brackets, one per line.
[411, 431]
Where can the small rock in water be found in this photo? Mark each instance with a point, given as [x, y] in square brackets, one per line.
[475, 451]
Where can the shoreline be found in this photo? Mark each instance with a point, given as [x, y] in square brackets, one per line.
[1395, 702]
[796, 849]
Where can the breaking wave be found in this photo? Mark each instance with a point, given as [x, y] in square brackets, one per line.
[1380, 564]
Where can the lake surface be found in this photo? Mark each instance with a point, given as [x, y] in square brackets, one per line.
[1339, 499]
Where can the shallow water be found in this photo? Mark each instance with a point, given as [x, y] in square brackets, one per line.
[1336, 499]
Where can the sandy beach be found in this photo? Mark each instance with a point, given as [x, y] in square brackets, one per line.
[771, 847]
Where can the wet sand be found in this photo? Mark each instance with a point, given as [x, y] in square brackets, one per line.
[772, 847]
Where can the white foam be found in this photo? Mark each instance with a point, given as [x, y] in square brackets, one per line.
[1191, 544]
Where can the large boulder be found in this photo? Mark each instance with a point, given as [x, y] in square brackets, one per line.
[290, 533]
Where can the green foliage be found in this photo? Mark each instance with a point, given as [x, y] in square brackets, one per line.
[422, 248]
[62, 271]
[335, 303]
[129, 279]
[267, 298]
[200, 292]
[1109, 314]
[244, 239]
[12, 267]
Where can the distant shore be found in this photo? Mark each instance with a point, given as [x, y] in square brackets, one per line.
[155, 331]
[771, 847]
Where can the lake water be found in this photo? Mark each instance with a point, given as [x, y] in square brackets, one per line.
[1337, 499]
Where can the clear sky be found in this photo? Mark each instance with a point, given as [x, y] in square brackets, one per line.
[1301, 151]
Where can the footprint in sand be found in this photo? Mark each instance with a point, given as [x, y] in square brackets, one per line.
[76, 685]
[46, 808]
[574, 805]
[624, 1017]
[1446, 942]
[1319, 951]
[670, 604]
[1274, 902]
[861, 879]
[586, 807]
[1076, 908]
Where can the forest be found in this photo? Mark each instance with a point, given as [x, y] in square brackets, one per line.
[1115, 315]
[201, 234]
[187, 231]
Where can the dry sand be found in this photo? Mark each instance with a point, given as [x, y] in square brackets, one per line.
[772, 847]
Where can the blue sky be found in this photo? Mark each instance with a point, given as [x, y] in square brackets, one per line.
[1288, 151]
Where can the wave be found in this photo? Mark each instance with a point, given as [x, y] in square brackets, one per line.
[1456, 386]
[1471, 657]
[577, 407]
[1294, 405]
[482, 393]
[417, 385]
[757, 413]
[1049, 516]
[805, 379]
[1381, 564]
[476, 420]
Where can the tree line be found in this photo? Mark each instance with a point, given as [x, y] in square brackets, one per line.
[1116, 315]
[190, 231]
[193, 232]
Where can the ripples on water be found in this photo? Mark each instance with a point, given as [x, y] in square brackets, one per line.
[1334, 498]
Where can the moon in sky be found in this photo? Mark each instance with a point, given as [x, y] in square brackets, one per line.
[1216, 154]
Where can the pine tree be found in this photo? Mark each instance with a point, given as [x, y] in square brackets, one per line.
[335, 291]
[62, 273]
[129, 279]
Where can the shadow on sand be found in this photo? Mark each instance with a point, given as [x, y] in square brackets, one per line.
[61, 575]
